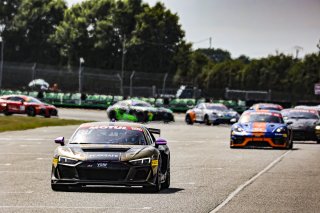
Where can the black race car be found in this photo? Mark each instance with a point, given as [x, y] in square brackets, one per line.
[304, 123]
[115, 153]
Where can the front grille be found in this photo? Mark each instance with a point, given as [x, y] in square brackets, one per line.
[258, 144]
[238, 141]
[67, 172]
[279, 141]
[141, 174]
[112, 172]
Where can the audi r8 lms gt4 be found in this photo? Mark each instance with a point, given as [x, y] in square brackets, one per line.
[305, 124]
[210, 113]
[266, 106]
[261, 128]
[138, 111]
[115, 153]
[21, 104]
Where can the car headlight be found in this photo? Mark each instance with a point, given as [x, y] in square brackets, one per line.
[66, 160]
[238, 129]
[281, 130]
[3, 104]
[317, 127]
[141, 162]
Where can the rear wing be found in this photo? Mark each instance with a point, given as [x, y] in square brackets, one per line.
[154, 131]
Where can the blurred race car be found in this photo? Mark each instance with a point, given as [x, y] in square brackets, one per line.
[115, 153]
[317, 108]
[261, 128]
[210, 113]
[21, 104]
[266, 106]
[305, 124]
[138, 111]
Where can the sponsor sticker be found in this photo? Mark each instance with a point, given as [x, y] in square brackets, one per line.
[117, 127]
[55, 162]
[154, 163]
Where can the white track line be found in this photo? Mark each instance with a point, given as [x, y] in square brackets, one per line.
[241, 187]
[15, 153]
[23, 172]
[73, 207]
[27, 192]
[26, 139]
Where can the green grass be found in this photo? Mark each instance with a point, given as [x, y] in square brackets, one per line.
[12, 123]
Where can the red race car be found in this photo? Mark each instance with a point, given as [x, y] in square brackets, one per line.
[21, 104]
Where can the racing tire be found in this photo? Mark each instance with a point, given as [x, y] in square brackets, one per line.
[166, 184]
[112, 115]
[206, 120]
[290, 142]
[318, 141]
[58, 187]
[31, 111]
[47, 115]
[141, 116]
[157, 185]
[6, 112]
[188, 120]
[291, 145]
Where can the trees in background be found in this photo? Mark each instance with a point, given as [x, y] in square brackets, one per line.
[150, 38]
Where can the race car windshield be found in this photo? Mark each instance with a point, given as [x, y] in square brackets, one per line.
[219, 108]
[266, 118]
[33, 100]
[141, 104]
[269, 108]
[302, 115]
[94, 135]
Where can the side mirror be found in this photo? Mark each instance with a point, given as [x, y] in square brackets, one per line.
[59, 140]
[161, 141]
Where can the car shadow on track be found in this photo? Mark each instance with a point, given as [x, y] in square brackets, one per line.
[305, 142]
[130, 190]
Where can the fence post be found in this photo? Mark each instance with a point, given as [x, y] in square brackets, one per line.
[120, 81]
[81, 60]
[154, 90]
[1, 62]
[164, 83]
[131, 79]
[227, 93]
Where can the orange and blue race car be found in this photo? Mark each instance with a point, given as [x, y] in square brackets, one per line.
[261, 128]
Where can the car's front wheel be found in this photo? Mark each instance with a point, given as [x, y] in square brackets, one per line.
[157, 185]
[166, 184]
[206, 120]
[6, 112]
[31, 111]
[188, 120]
[112, 115]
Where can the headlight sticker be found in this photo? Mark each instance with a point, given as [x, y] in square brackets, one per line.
[55, 162]
[155, 163]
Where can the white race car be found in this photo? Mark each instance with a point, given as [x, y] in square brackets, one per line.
[210, 113]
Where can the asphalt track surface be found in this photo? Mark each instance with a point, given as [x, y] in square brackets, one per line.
[207, 176]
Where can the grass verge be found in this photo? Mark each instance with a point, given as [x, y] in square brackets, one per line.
[13, 123]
